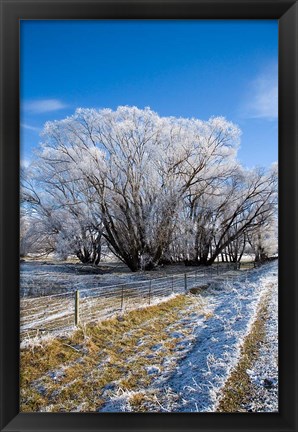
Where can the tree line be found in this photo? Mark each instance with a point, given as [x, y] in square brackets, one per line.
[152, 189]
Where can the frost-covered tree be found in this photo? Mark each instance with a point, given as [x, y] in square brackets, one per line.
[221, 217]
[155, 188]
[61, 221]
[252, 202]
[263, 241]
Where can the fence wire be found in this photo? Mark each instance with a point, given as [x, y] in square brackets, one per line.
[61, 312]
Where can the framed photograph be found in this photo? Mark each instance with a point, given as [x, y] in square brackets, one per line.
[148, 215]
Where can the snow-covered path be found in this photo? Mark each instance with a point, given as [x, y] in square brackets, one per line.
[196, 383]
[202, 373]
[264, 373]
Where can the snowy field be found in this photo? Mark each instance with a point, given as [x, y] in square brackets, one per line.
[206, 340]
[213, 350]
[104, 291]
[39, 278]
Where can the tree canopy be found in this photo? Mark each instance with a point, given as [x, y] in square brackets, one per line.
[151, 188]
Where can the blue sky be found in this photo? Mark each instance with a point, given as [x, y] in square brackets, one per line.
[181, 68]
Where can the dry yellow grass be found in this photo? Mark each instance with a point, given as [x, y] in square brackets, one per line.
[78, 372]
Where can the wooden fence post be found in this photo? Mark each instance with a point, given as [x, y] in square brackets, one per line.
[77, 307]
[122, 297]
[149, 292]
[185, 282]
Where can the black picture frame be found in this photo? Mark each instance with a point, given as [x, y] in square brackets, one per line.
[286, 11]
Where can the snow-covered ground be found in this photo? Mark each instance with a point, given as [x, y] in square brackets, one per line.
[207, 337]
[208, 356]
[264, 373]
[39, 278]
[104, 291]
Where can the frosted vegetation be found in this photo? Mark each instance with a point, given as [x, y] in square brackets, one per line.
[178, 356]
[148, 190]
[151, 189]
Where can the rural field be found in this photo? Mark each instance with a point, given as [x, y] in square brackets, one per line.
[149, 216]
[211, 348]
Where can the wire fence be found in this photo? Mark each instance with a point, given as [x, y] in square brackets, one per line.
[61, 312]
